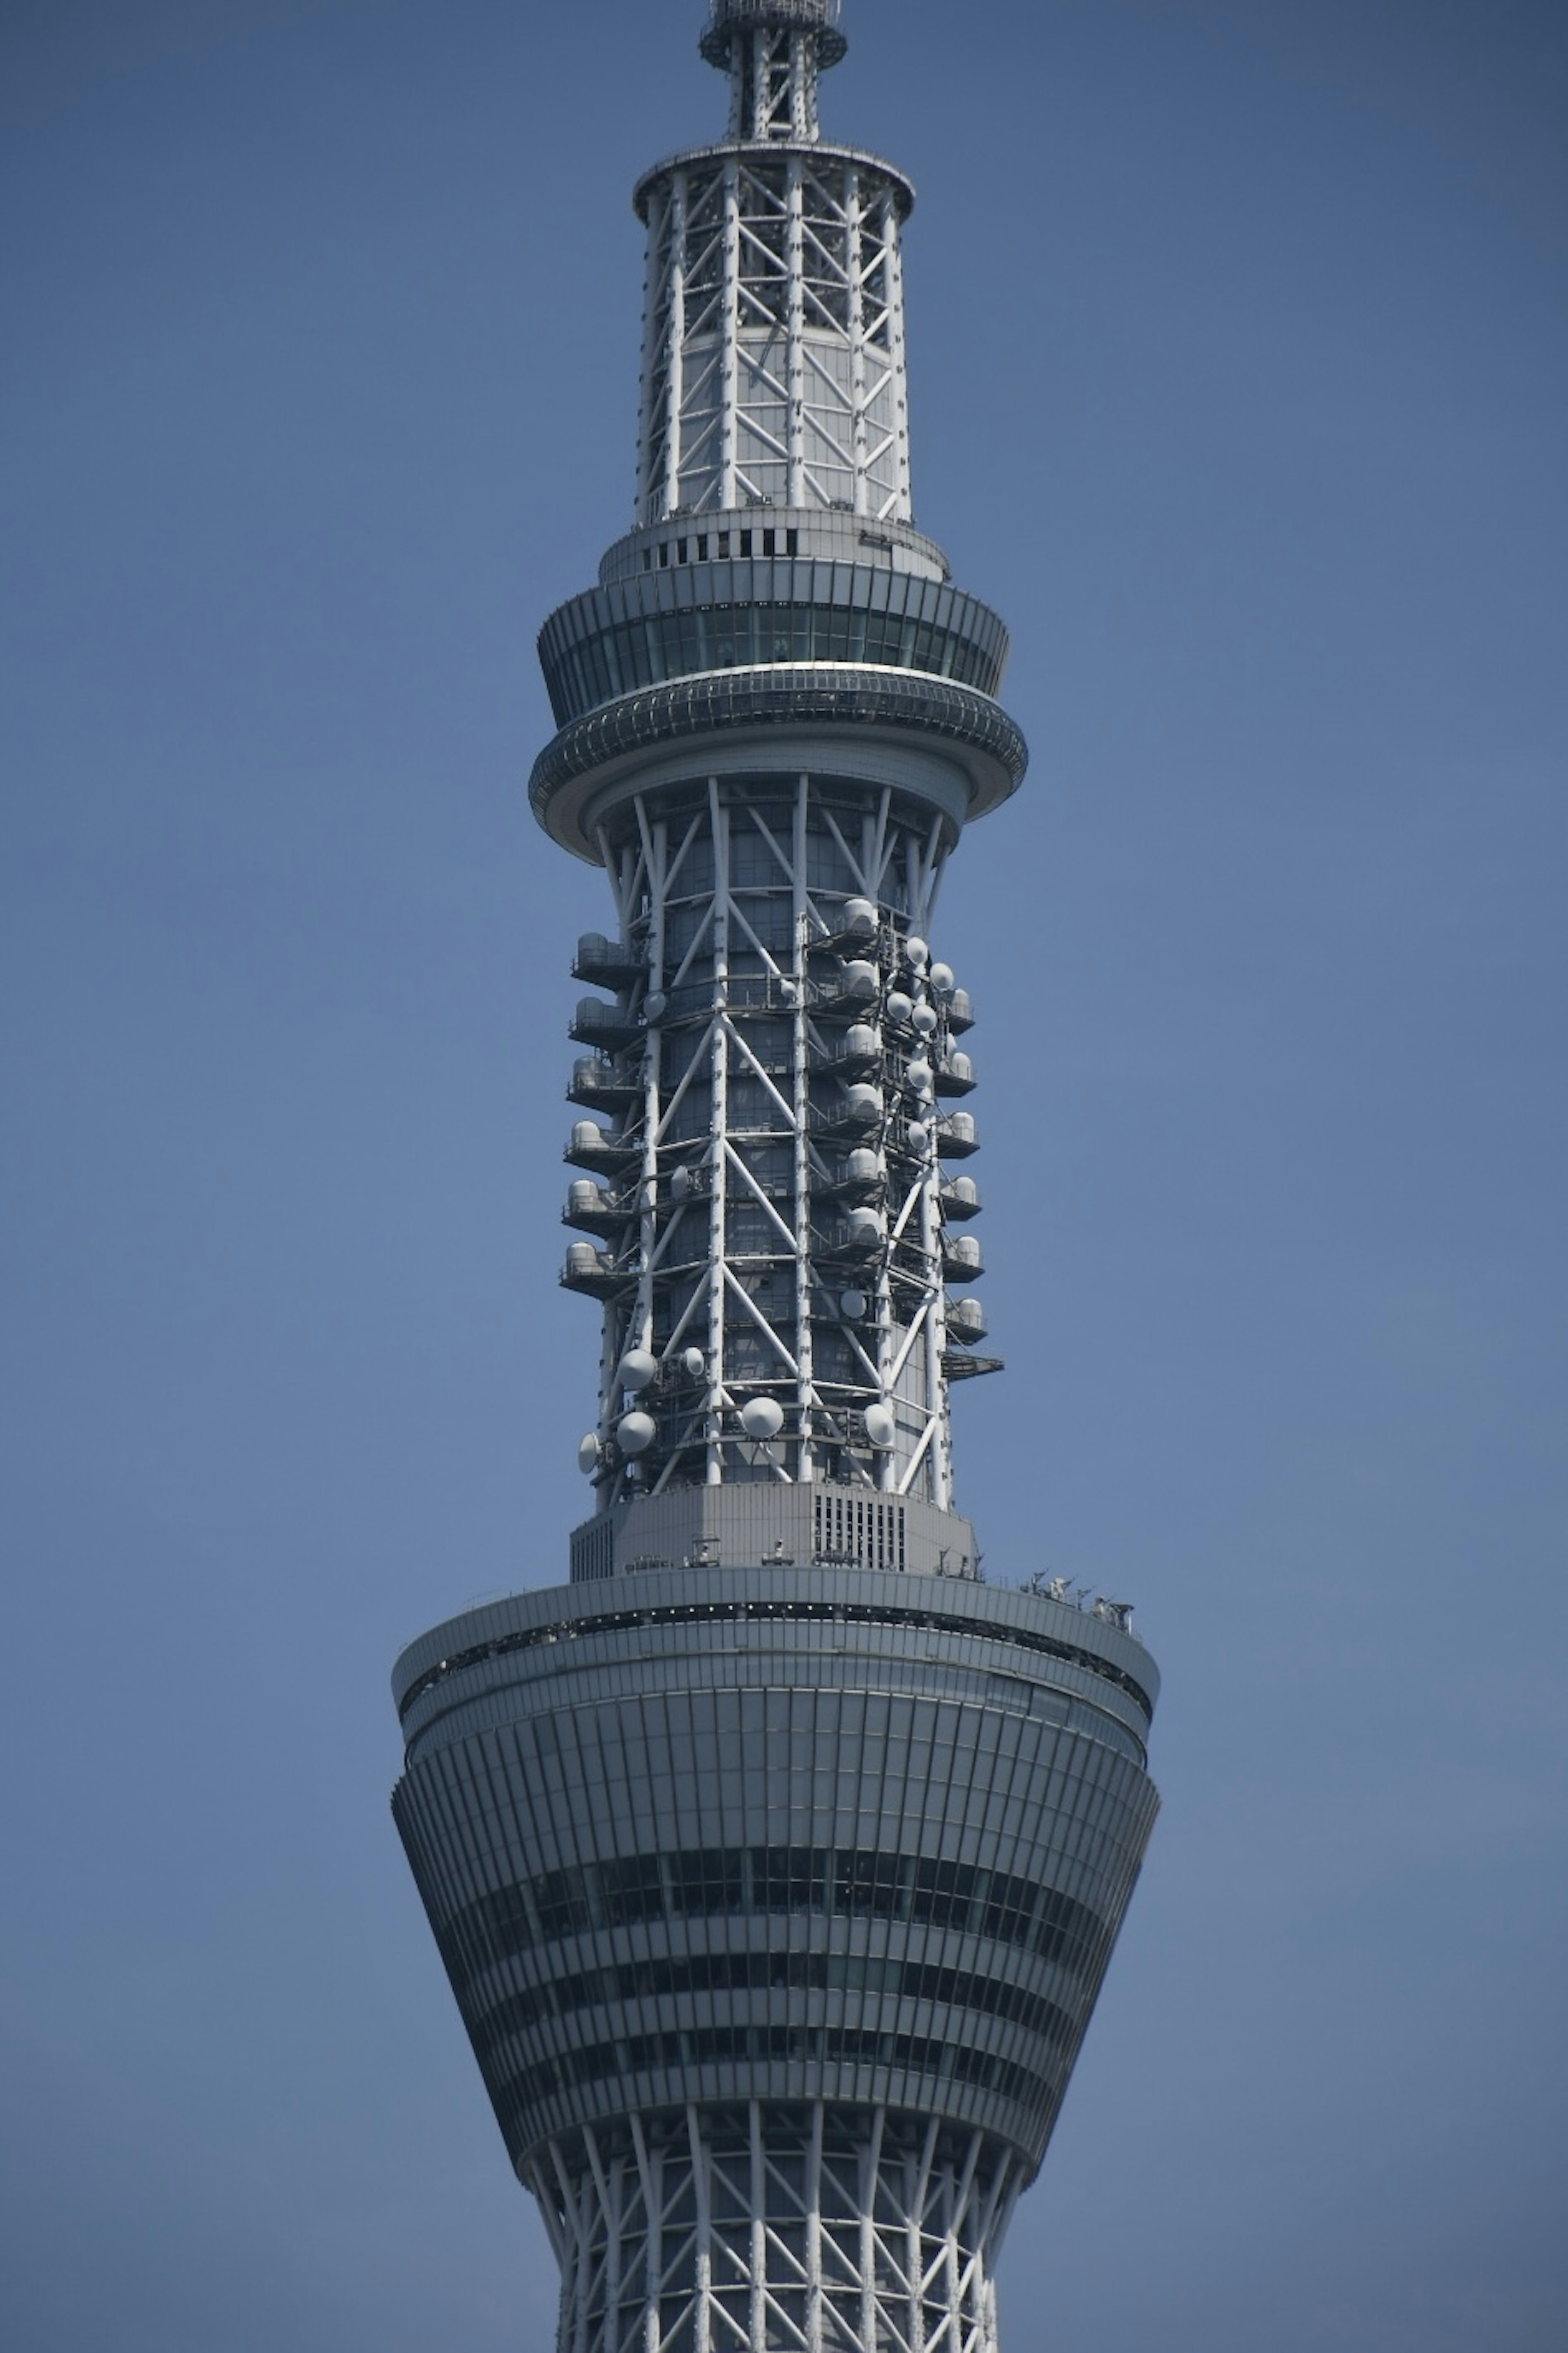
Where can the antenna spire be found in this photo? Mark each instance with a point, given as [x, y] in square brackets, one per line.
[773, 51]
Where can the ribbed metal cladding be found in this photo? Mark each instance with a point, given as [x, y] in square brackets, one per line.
[680, 1860]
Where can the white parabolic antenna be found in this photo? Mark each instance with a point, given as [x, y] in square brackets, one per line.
[762, 1418]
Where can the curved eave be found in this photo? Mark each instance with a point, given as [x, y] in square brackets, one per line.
[844, 699]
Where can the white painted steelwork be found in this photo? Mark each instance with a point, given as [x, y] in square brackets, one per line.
[765, 2230]
[774, 1862]
[774, 330]
[778, 1058]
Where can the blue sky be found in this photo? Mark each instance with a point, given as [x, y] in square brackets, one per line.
[1240, 373]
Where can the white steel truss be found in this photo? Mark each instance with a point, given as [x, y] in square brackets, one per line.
[773, 1221]
[773, 364]
[748, 2230]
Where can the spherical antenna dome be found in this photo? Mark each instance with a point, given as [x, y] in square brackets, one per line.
[637, 1433]
[639, 1368]
[880, 1428]
[762, 1418]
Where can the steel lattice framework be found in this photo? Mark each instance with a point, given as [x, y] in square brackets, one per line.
[774, 335]
[776, 1860]
[778, 1222]
[806, 2228]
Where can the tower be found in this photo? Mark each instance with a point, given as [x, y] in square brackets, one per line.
[775, 1860]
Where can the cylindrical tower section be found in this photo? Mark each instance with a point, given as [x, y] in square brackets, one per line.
[774, 339]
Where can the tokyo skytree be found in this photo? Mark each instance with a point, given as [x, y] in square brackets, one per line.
[776, 1857]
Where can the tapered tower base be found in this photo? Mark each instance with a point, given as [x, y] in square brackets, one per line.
[807, 2229]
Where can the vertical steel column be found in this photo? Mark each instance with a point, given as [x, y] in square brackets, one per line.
[759, 125]
[855, 283]
[802, 85]
[814, 2343]
[702, 2252]
[674, 343]
[870, 2173]
[900, 502]
[719, 827]
[758, 2300]
[800, 921]
[729, 330]
[795, 327]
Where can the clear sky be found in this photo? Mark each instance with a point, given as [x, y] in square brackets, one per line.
[1241, 372]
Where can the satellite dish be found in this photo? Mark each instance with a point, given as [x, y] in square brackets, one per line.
[940, 979]
[679, 1182]
[654, 1004]
[924, 1020]
[899, 1006]
[919, 1135]
[918, 1075]
[637, 1433]
[639, 1368]
[693, 1363]
[762, 1418]
[853, 1304]
[917, 951]
[588, 1455]
[880, 1428]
